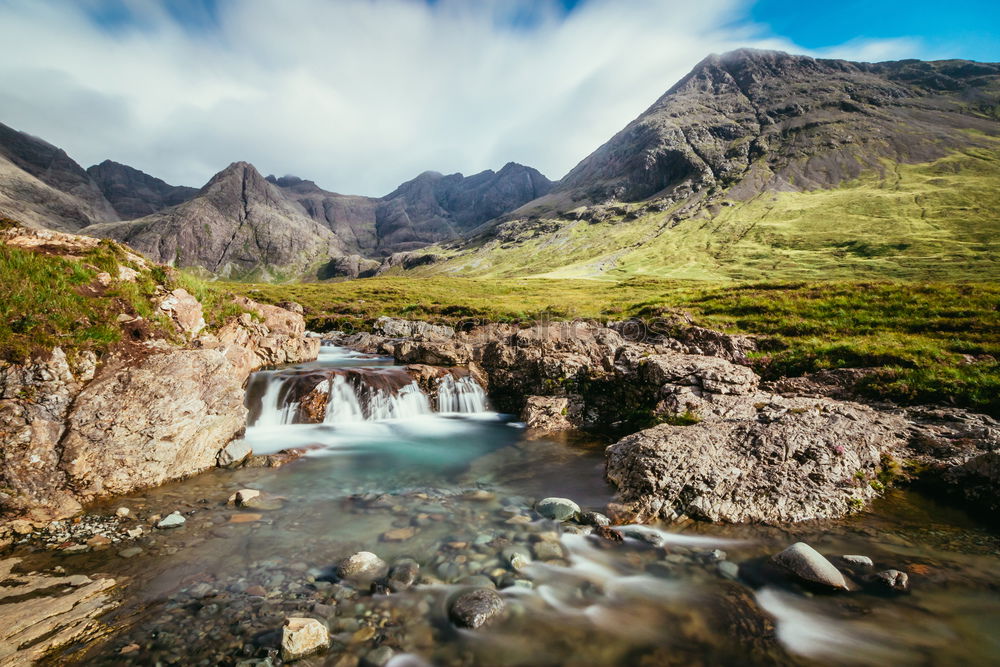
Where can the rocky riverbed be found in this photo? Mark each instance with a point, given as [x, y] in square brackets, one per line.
[467, 538]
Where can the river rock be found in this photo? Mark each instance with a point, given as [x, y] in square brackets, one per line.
[557, 509]
[403, 574]
[362, 565]
[243, 496]
[475, 608]
[811, 566]
[894, 579]
[233, 454]
[595, 519]
[302, 637]
[378, 657]
[795, 465]
[172, 520]
[862, 561]
[551, 413]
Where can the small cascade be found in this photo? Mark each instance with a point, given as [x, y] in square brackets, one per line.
[462, 395]
[275, 408]
[347, 393]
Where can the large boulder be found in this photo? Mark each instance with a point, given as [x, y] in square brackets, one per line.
[811, 462]
[395, 328]
[141, 422]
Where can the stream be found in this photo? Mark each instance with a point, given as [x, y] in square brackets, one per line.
[453, 489]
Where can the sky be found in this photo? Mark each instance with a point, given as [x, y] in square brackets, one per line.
[361, 95]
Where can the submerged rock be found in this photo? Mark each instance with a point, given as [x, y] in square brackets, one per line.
[557, 509]
[862, 561]
[894, 579]
[172, 520]
[403, 574]
[811, 566]
[362, 565]
[303, 636]
[476, 608]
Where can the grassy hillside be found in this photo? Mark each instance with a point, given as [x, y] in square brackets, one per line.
[933, 221]
[47, 300]
[933, 341]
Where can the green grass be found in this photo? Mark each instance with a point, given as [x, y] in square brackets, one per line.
[48, 301]
[917, 333]
[931, 221]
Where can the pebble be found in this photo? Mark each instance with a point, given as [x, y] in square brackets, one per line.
[894, 579]
[399, 534]
[173, 520]
[131, 552]
[594, 519]
[557, 509]
[863, 561]
[245, 517]
[476, 608]
[301, 637]
[379, 657]
[729, 569]
[122, 512]
[362, 565]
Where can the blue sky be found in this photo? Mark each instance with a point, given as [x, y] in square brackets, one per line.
[360, 95]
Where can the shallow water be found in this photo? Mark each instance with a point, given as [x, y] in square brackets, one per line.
[215, 591]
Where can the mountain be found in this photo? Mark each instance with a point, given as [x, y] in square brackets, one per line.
[43, 187]
[238, 226]
[749, 121]
[430, 208]
[762, 165]
[133, 193]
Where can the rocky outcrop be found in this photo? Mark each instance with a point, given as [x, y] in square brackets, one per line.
[35, 400]
[40, 613]
[727, 449]
[812, 461]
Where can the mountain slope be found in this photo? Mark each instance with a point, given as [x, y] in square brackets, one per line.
[761, 165]
[749, 121]
[44, 187]
[133, 193]
[239, 225]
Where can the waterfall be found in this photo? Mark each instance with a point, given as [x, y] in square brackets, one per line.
[350, 392]
[463, 395]
[408, 402]
[342, 406]
[275, 409]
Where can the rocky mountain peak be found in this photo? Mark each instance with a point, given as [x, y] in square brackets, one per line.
[133, 193]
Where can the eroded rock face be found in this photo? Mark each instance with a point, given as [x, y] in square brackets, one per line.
[806, 463]
[140, 424]
[34, 401]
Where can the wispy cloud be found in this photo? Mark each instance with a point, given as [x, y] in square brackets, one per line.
[358, 95]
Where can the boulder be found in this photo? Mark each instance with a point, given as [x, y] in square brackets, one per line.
[396, 328]
[475, 608]
[810, 566]
[301, 637]
[551, 413]
[796, 465]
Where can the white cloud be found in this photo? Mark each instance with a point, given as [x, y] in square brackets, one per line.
[358, 95]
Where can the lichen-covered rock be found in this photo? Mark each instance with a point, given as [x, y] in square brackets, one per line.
[807, 463]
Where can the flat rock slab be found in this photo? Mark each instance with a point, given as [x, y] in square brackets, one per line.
[41, 613]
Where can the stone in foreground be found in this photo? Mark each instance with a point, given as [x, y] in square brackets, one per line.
[557, 509]
[894, 579]
[301, 637]
[172, 520]
[811, 566]
[476, 608]
[362, 565]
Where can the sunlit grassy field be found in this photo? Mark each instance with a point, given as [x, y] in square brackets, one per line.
[934, 341]
[932, 221]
